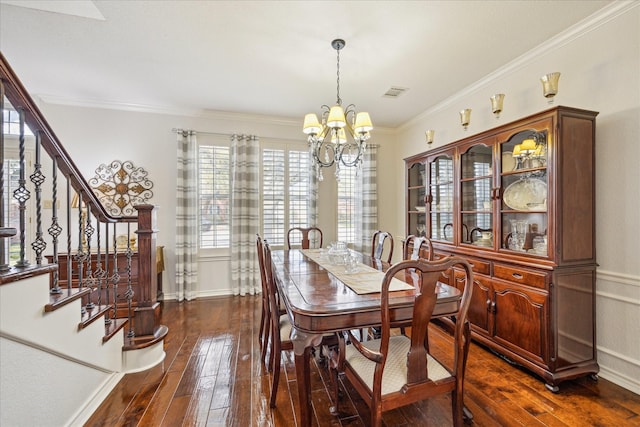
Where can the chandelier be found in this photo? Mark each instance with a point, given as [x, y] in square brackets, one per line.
[328, 139]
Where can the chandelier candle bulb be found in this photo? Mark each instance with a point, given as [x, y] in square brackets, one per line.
[336, 117]
[339, 137]
[363, 123]
[528, 146]
[311, 124]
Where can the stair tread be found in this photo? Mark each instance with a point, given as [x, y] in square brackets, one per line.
[113, 327]
[93, 314]
[67, 296]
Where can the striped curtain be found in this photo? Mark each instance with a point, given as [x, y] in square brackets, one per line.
[186, 217]
[245, 216]
[367, 201]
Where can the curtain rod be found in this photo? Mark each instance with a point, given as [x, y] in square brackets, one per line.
[229, 135]
[178, 130]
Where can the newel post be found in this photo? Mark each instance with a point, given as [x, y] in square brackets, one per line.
[147, 312]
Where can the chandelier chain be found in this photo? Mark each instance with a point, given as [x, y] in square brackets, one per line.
[339, 101]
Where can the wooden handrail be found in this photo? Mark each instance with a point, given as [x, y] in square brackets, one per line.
[20, 99]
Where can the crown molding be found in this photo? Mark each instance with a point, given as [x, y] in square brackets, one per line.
[113, 105]
[572, 33]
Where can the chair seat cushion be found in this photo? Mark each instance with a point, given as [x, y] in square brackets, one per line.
[394, 376]
[285, 327]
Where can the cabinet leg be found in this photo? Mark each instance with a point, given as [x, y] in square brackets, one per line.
[467, 415]
[552, 388]
[593, 377]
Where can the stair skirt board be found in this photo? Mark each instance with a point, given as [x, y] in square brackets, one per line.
[45, 388]
[94, 402]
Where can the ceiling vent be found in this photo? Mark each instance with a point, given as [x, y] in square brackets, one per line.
[395, 91]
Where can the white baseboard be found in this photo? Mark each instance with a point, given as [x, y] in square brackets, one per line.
[620, 379]
[90, 406]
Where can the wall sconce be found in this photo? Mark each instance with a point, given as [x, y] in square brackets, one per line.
[429, 136]
[496, 104]
[550, 85]
[465, 117]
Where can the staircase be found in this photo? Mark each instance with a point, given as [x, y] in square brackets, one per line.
[64, 344]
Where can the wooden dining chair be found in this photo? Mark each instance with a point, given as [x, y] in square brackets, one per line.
[395, 371]
[279, 325]
[265, 315]
[417, 247]
[378, 245]
[307, 236]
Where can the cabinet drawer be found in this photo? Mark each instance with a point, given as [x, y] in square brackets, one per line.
[479, 266]
[520, 275]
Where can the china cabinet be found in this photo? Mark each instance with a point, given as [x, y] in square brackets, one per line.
[518, 201]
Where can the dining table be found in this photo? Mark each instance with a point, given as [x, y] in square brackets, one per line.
[325, 294]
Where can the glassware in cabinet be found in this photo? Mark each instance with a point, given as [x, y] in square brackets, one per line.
[476, 196]
[524, 183]
[440, 198]
[416, 192]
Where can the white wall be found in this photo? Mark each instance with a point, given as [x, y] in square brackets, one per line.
[600, 66]
[93, 136]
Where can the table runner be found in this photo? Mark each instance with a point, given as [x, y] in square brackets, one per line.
[365, 280]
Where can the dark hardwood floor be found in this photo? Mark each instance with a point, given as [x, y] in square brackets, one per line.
[213, 376]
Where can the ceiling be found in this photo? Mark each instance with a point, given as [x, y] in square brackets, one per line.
[271, 58]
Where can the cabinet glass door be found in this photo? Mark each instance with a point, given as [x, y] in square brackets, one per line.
[441, 198]
[476, 204]
[416, 215]
[524, 183]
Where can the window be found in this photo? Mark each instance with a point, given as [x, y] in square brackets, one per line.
[347, 205]
[11, 180]
[286, 191]
[11, 123]
[214, 185]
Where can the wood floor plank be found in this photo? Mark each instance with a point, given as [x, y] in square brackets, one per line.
[176, 411]
[159, 404]
[213, 376]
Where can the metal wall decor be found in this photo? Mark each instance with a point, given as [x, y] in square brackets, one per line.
[120, 186]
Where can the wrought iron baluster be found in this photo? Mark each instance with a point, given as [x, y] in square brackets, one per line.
[80, 256]
[55, 230]
[129, 293]
[69, 255]
[105, 272]
[37, 178]
[6, 231]
[115, 277]
[22, 194]
[90, 280]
